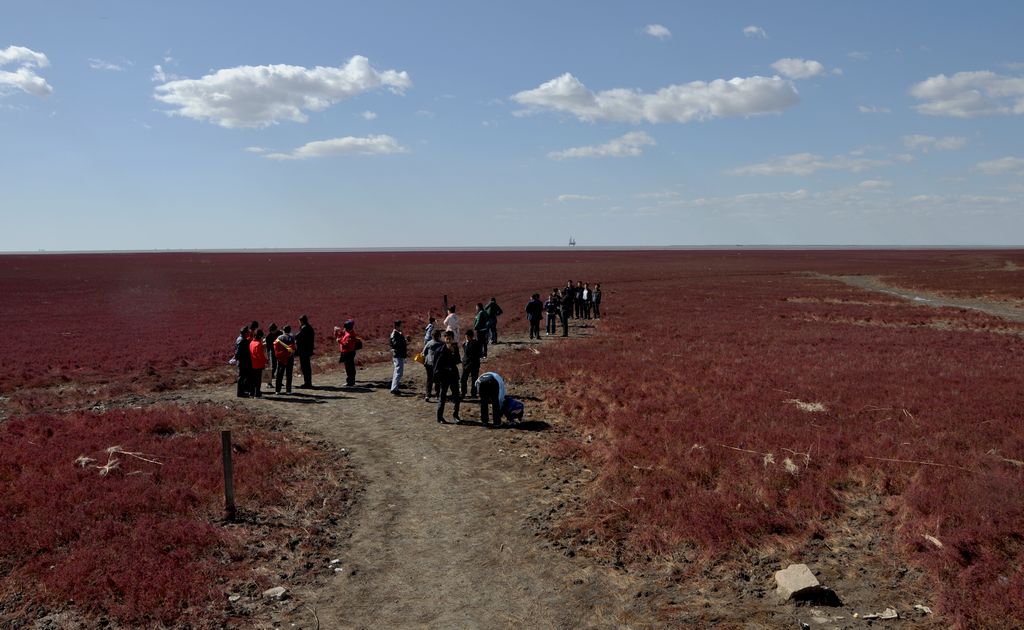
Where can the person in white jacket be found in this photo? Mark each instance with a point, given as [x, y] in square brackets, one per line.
[452, 322]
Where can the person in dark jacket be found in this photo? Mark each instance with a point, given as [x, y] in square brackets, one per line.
[578, 299]
[304, 341]
[567, 305]
[243, 359]
[272, 334]
[480, 327]
[399, 352]
[534, 312]
[493, 312]
[430, 351]
[597, 301]
[551, 312]
[568, 295]
[470, 362]
[446, 371]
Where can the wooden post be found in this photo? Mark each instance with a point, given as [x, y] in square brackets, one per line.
[229, 479]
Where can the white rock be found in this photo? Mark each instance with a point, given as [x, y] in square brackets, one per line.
[278, 592]
[234, 598]
[793, 579]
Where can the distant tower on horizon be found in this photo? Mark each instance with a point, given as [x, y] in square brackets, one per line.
[572, 241]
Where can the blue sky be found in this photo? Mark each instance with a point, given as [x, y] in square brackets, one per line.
[137, 125]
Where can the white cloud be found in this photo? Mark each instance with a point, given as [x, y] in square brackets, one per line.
[368, 115]
[571, 197]
[754, 31]
[970, 94]
[24, 77]
[927, 143]
[873, 109]
[657, 30]
[258, 150]
[259, 96]
[160, 75]
[793, 68]
[629, 145]
[857, 55]
[697, 100]
[1003, 165]
[99, 64]
[874, 184]
[808, 163]
[369, 145]
[661, 194]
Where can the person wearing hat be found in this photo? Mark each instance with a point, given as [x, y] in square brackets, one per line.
[304, 343]
[348, 343]
[399, 352]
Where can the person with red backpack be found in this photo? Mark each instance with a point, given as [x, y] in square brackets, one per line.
[259, 361]
[284, 352]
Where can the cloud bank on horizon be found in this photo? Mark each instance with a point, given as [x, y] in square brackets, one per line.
[709, 112]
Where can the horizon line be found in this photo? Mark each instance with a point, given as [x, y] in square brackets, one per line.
[510, 248]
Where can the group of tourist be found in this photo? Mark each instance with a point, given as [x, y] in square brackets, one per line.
[254, 351]
[452, 368]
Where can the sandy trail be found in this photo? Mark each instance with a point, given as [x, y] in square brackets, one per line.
[440, 532]
[874, 283]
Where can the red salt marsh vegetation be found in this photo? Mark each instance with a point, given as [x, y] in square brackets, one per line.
[118, 515]
[727, 402]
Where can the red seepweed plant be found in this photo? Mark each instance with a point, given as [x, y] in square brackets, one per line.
[119, 514]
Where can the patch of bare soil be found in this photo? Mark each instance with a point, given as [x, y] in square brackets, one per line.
[442, 531]
[1010, 311]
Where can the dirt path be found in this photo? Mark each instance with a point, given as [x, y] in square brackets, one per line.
[874, 283]
[440, 533]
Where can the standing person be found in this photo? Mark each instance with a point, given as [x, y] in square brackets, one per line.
[430, 351]
[258, 352]
[399, 352]
[534, 311]
[597, 301]
[446, 371]
[348, 343]
[551, 311]
[470, 361]
[304, 340]
[492, 393]
[568, 295]
[451, 323]
[578, 299]
[428, 332]
[243, 359]
[493, 312]
[588, 298]
[567, 303]
[268, 342]
[284, 352]
[480, 328]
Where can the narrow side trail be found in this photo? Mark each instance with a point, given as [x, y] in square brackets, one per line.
[440, 533]
[875, 283]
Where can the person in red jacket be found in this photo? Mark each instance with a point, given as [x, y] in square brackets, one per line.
[259, 361]
[348, 343]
